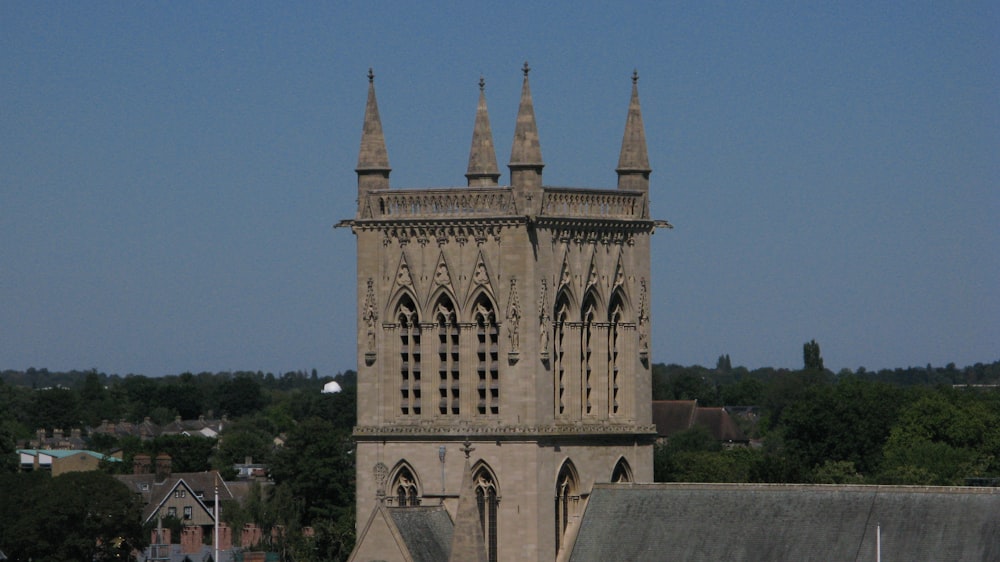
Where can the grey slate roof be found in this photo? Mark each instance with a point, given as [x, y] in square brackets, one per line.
[427, 531]
[761, 522]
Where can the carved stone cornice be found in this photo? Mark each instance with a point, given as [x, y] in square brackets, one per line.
[452, 431]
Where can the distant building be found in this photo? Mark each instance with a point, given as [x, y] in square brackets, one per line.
[673, 416]
[61, 461]
[58, 439]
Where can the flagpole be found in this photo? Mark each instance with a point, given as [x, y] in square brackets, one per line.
[215, 542]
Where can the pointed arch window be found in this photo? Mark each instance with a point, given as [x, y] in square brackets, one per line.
[487, 357]
[409, 355]
[559, 356]
[449, 395]
[615, 348]
[622, 471]
[567, 498]
[586, 351]
[487, 499]
[404, 488]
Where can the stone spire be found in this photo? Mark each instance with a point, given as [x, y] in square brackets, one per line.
[467, 541]
[526, 154]
[483, 169]
[633, 163]
[373, 159]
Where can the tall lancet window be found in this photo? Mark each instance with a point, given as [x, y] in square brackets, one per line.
[567, 498]
[487, 500]
[487, 357]
[448, 353]
[559, 359]
[587, 352]
[615, 348]
[409, 355]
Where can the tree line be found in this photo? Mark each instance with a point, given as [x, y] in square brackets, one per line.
[914, 426]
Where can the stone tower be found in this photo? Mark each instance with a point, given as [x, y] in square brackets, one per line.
[509, 323]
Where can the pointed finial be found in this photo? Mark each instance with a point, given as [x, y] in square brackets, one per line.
[526, 69]
[371, 75]
[635, 75]
[482, 83]
[467, 448]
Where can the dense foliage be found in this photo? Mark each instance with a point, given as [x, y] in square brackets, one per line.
[935, 426]
[71, 517]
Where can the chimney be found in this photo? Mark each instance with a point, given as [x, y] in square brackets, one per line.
[140, 464]
[57, 434]
[75, 433]
[159, 536]
[225, 537]
[191, 537]
[40, 434]
[251, 535]
[163, 463]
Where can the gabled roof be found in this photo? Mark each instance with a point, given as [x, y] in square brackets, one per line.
[426, 531]
[673, 416]
[720, 424]
[415, 534]
[766, 522]
[155, 494]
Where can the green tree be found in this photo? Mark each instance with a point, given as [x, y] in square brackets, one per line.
[72, 517]
[811, 356]
[317, 465]
[188, 453]
[240, 396]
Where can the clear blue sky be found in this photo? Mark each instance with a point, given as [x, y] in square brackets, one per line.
[170, 172]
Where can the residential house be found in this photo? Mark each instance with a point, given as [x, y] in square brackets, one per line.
[674, 416]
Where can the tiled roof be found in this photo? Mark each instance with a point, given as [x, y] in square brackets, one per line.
[720, 424]
[673, 416]
[764, 523]
[427, 531]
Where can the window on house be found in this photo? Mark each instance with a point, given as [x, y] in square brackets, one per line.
[187, 512]
[171, 512]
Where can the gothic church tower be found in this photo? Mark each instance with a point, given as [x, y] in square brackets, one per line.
[504, 329]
